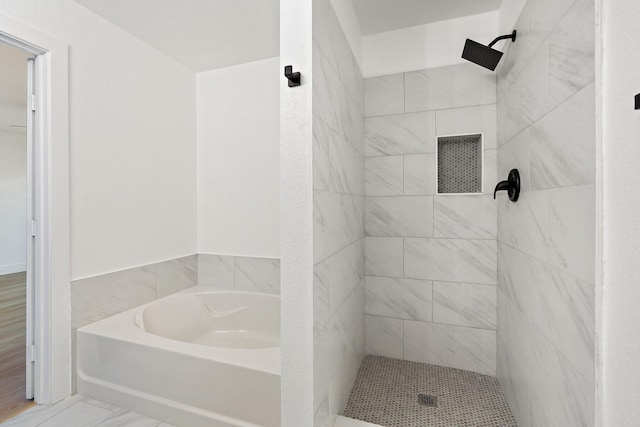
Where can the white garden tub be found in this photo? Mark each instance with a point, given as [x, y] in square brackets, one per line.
[202, 357]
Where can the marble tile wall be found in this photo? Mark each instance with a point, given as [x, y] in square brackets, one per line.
[546, 241]
[430, 292]
[338, 218]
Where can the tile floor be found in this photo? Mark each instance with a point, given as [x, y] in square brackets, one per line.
[386, 393]
[80, 411]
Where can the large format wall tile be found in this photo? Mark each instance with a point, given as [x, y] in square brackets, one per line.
[384, 176]
[383, 336]
[563, 144]
[399, 298]
[384, 256]
[216, 270]
[546, 252]
[458, 121]
[572, 52]
[399, 216]
[96, 298]
[470, 349]
[464, 304]
[572, 230]
[457, 260]
[338, 211]
[384, 95]
[420, 175]
[470, 217]
[175, 275]
[258, 275]
[449, 87]
[400, 134]
[525, 225]
[346, 272]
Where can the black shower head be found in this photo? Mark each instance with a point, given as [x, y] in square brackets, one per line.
[483, 55]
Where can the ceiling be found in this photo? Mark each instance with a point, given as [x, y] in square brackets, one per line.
[200, 34]
[378, 16]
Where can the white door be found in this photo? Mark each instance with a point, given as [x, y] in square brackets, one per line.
[31, 225]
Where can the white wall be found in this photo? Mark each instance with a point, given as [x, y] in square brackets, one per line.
[13, 201]
[425, 46]
[619, 342]
[132, 141]
[238, 159]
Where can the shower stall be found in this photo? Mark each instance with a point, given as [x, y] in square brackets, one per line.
[397, 262]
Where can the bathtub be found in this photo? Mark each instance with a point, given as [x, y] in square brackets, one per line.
[202, 357]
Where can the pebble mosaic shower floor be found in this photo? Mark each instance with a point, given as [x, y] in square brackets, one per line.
[386, 393]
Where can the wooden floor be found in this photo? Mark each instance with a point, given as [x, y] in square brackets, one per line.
[12, 345]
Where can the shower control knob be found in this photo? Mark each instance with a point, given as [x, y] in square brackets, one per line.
[511, 186]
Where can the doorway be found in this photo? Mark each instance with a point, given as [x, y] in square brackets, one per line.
[16, 240]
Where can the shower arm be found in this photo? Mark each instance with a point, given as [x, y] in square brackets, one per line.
[511, 36]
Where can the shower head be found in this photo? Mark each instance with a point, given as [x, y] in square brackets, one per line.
[483, 55]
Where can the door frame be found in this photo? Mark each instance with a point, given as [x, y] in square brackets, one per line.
[51, 285]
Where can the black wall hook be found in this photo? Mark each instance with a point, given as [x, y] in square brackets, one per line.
[294, 78]
[511, 186]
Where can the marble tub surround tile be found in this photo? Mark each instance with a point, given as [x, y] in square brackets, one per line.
[399, 216]
[384, 256]
[258, 275]
[384, 176]
[449, 87]
[384, 336]
[456, 260]
[471, 217]
[216, 270]
[563, 144]
[572, 52]
[420, 172]
[96, 298]
[384, 95]
[458, 347]
[176, 275]
[465, 304]
[477, 119]
[409, 299]
[236, 272]
[413, 133]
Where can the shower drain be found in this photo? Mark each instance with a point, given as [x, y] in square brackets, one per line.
[427, 400]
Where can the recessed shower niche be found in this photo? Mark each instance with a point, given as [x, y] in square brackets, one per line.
[460, 164]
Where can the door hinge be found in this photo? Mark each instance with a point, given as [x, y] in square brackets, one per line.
[34, 228]
[32, 353]
[33, 102]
